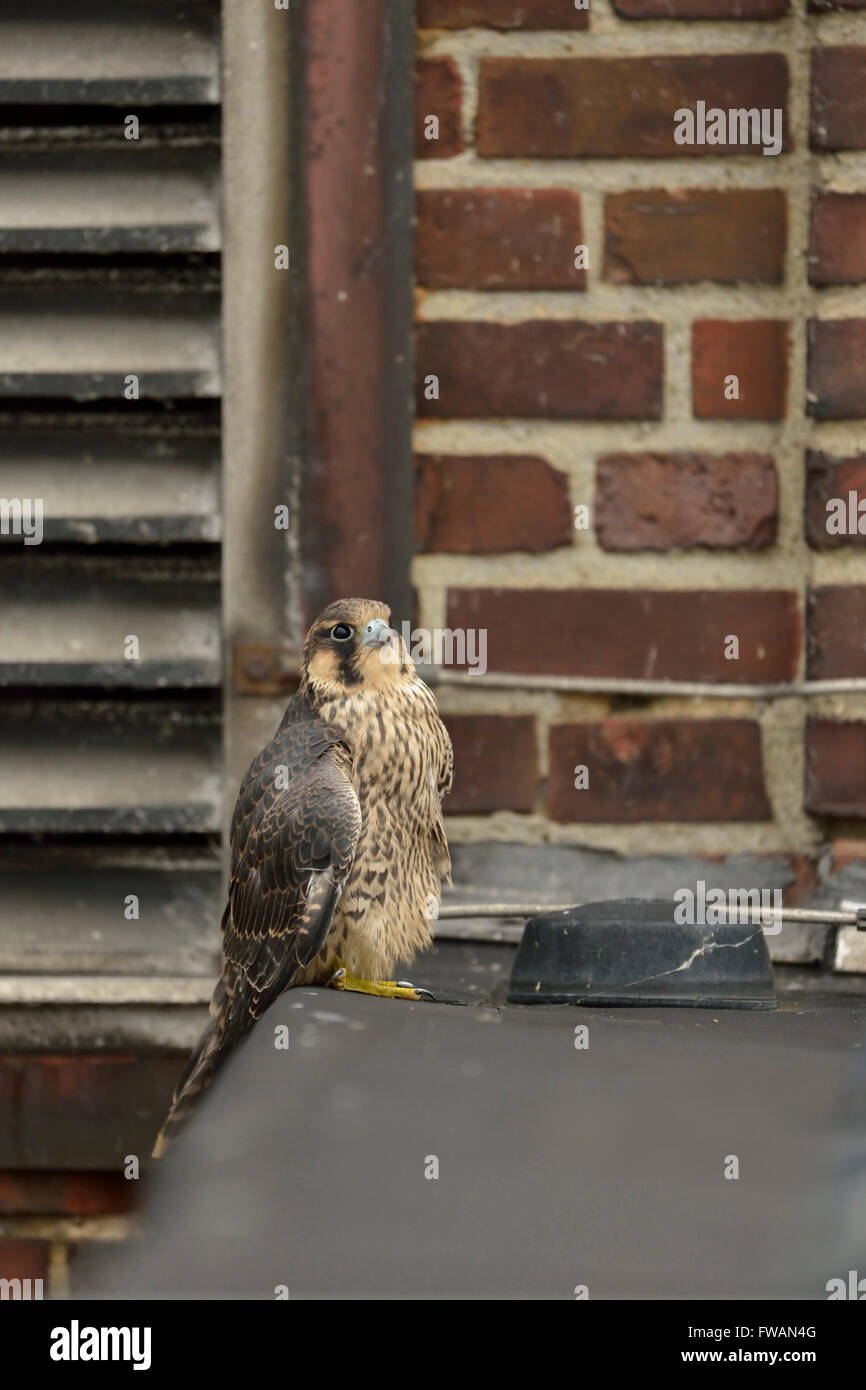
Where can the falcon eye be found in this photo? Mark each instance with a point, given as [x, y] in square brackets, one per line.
[342, 632]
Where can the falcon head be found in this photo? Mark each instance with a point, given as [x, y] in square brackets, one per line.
[352, 646]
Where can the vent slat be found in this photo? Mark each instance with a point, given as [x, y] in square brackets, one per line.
[109, 768]
[70, 627]
[109, 201]
[56, 345]
[114, 486]
[68, 918]
[111, 53]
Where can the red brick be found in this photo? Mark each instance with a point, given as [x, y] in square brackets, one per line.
[847, 851]
[657, 501]
[65, 1194]
[479, 505]
[498, 239]
[838, 114]
[24, 1259]
[755, 351]
[835, 759]
[806, 880]
[701, 9]
[827, 479]
[837, 369]
[118, 1102]
[438, 92]
[562, 370]
[836, 632]
[661, 237]
[658, 770]
[669, 635]
[603, 107]
[495, 764]
[837, 243]
[499, 14]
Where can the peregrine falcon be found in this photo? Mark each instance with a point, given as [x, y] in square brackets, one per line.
[338, 849]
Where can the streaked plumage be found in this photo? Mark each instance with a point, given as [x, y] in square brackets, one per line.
[338, 846]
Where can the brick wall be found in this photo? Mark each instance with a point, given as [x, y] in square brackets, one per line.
[47, 1219]
[602, 385]
[75, 1146]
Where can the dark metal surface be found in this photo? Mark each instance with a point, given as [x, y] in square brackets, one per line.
[558, 1166]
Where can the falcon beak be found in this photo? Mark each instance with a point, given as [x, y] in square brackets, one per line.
[376, 634]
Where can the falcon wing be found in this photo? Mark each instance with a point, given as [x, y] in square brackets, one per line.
[294, 834]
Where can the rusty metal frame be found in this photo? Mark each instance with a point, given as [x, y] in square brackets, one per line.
[355, 171]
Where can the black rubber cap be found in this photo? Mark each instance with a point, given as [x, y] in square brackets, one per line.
[633, 952]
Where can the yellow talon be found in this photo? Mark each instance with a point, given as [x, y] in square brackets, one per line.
[385, 989]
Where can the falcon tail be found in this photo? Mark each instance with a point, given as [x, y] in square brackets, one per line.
[222, 1034]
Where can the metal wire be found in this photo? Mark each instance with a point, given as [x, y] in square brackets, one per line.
[848, 917]
[609, 685]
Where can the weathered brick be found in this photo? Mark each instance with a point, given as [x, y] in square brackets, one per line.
[701, 9]
[806, 880]
[480, 505]
[836, 632]
[658, 770]
[438, 92]
[837, 241]
[838, 112]
[835, 759]
[557, 370]
[756, 352]
[498, 238]
[837, 369]
[656, 501]
[661, 237]
[25, 1193]
[118, 1102]
[832, 480]
[24, 1259]
[499, 14]
[848, 850]
[603, 107]
[667, 635]
[495, 764]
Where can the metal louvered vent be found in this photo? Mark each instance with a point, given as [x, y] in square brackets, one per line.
[110, 749]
